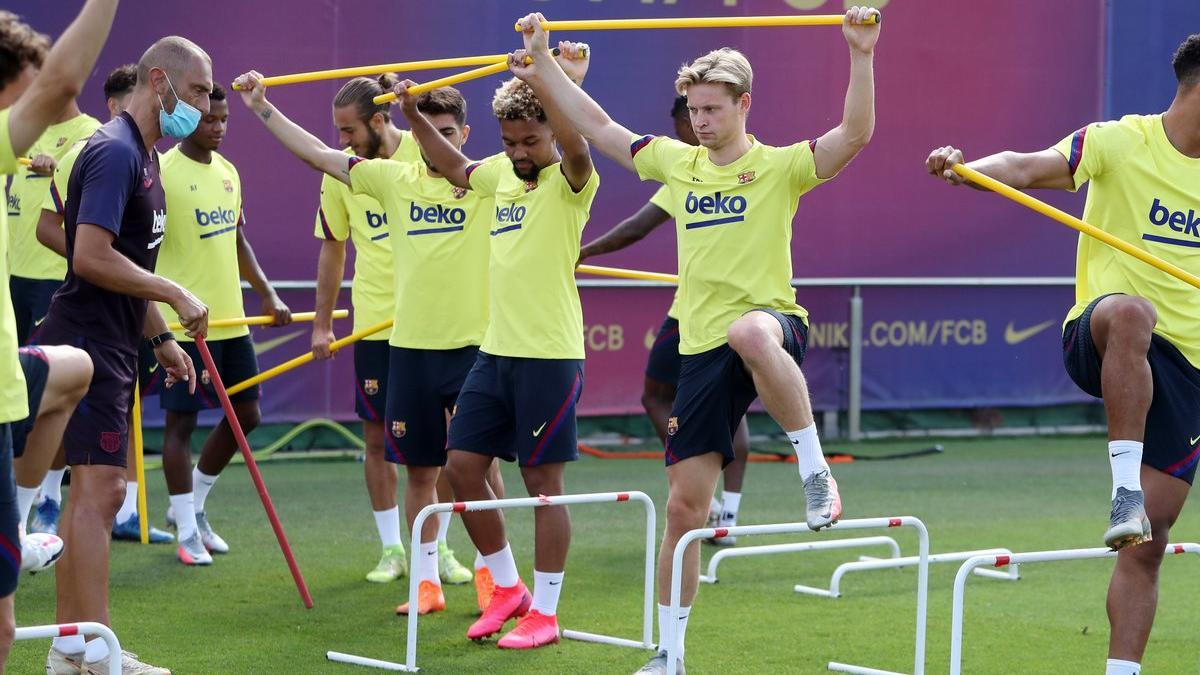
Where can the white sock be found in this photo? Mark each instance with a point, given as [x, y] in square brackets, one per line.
[546, 588]
[202, 483]
[714, 506]
[428, 565]
[808, 450]
[185, 514]
[97, 650]
[443, 526]
[479, 562]
[664, 626]
[25, 497]
[1119, 667]
[387, 523]
[503, 567]
[729, 507]
[129, 506]
[52, 486]
[1125, 457]
[72, 644]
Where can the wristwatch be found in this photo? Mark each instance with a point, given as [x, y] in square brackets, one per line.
[157, 340]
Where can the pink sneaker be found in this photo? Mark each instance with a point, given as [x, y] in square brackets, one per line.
[533, 630]
[507, 603]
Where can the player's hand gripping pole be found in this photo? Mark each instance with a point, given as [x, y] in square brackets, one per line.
[263, 320]
[451, 80]
[231, 417]
[705, 22]
[307, 357]
[402, 67]
[1075, 223]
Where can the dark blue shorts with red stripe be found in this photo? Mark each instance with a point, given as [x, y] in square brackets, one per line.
[715, 390]
[423, 386]
[663, 363]
[235, 361]
[1172, 437]
[519, 409]
[370, 379]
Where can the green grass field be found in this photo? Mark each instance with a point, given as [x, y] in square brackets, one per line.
[242, 615]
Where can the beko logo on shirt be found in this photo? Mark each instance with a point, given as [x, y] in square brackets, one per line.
[728, 209]
[216, 217]
[508, 219]
[437, 214]
[1188, 223]
[159, 227]
[376, 220]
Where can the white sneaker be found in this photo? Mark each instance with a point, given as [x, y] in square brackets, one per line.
[192, 552]
[129, 666]
[39, 551]
[58, 663]
[212, 541]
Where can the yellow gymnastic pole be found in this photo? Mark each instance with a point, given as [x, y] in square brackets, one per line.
[24, 161]
[627, 274]
[472, 74]
[705, 22]
[305, 358]
[402, 67]
[263, 320]
[451, 80]
[1075, 223]
[139, 465]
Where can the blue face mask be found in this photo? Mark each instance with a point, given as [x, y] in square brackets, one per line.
[180, 123]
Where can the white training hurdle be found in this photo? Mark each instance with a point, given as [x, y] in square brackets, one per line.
[82, 628]
[864, 564]
[795, 547]
[410, 656]
[960, 581]
[789, 528]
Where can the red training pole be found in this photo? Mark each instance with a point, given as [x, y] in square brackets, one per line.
[231, 417]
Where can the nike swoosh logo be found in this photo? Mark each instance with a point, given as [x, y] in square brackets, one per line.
[154, 367]
[1118, 454]
[39, 322]
[537, 432]
[555, 583]
[265, 346]
[1013, 337]
[1194, 441]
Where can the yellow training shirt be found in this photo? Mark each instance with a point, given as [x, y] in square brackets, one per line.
[1147, 193]
[535, 231]
[13, 400]
[734, 226]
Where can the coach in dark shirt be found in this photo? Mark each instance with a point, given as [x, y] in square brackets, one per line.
[115, 219]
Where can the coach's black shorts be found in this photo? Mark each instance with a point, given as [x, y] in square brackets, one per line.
[1172, 437]
[235, 361]
[663, 362]
[10, 539]
[99, 429]
[423, 385]
[30, 300]
[715, 391]
[36, 367]
[519, 409]
[370, 379]
[151, 377]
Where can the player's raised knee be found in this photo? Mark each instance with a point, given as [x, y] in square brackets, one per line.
[1130, 314]
[751, 338]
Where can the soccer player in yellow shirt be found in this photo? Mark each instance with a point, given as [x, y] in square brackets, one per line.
[29, 102]
[206, 221]
[518, 402]
[742, 334]
[662, 365]
[1133, 336]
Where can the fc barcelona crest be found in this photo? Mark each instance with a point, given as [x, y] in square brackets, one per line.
[459, 192]
[531, 185]
[399, 429]
[229, 185]
[672, 426]
[62, 140]
[110, 441]
[205, 378]
[370, 387]
[747, 177]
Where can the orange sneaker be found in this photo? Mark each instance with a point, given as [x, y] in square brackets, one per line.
[507, 603]
[429, 599]
[533, 630]
[484, 585]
